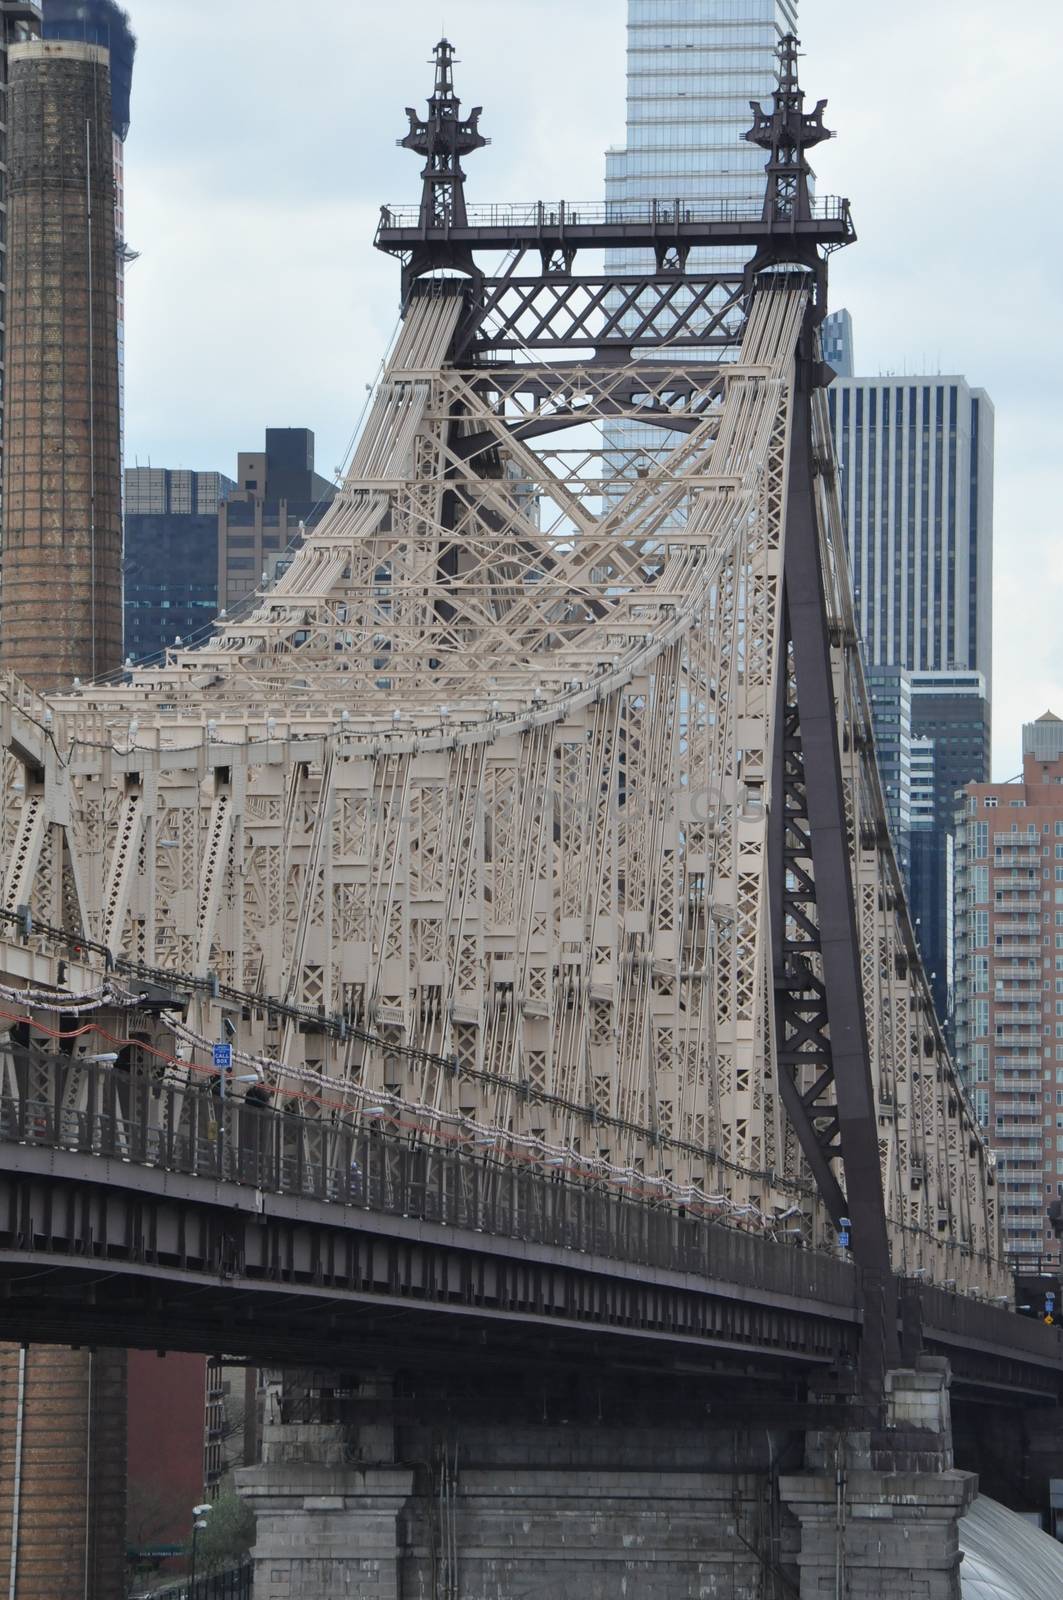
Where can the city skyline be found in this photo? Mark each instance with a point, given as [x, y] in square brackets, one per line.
[234, 247]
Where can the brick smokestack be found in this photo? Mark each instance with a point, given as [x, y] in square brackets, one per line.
[61, 611]
[62, 1472]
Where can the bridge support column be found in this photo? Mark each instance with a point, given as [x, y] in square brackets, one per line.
[509, 1488]
[328, 1498]
[879, 1510]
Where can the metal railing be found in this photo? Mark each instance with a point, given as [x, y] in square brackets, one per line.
[553, 214]
[104, 1112]
[235, 1583]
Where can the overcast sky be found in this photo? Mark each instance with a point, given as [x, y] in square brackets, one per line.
[263, 142]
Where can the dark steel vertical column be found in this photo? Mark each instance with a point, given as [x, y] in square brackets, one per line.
[818, 716]
[62, 575]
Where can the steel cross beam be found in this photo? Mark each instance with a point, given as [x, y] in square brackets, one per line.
[649, 311]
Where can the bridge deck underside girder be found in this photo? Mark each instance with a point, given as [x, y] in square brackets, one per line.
[186, 1263]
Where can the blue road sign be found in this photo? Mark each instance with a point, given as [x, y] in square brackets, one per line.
[223, 1056]
[843, 1239]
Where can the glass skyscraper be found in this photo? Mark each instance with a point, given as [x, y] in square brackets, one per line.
[692, 68]
[837, 336]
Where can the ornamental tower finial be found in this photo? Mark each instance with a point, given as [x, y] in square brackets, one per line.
[787, 131]
[442, 137]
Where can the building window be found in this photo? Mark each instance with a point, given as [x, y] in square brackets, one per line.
[981, 838]
[981, 929]
[991, 802]
[981, 885]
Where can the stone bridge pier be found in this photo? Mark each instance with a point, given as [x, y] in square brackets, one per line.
[503, 1485]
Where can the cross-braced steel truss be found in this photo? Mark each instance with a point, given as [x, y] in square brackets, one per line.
[511, 810]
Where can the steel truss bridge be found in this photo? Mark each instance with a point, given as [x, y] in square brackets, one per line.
[527, 839]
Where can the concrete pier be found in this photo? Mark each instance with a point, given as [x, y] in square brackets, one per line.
[379, 1488]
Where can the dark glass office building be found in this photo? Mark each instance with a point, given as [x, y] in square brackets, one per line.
[951, 710]
[171, 556]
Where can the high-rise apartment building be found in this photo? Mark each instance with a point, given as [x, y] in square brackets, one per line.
[171, 556]
[1009, 982]
[923, 788]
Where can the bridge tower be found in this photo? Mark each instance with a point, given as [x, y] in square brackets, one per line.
[791, 791]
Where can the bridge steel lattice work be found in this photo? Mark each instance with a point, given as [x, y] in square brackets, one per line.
[535, 808]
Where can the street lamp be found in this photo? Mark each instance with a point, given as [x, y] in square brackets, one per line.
[199, 1520]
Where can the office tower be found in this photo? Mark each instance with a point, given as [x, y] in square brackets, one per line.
[104, 23]
[1009, 984]
[62, 491]
[836, 335]
[916, 462]
[171, 556]
[916, 457]
[277, 494]
[890, 692]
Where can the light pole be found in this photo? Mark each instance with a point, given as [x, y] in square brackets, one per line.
[199, 1520]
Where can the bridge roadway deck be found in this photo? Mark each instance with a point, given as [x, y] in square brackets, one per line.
[282, 1239]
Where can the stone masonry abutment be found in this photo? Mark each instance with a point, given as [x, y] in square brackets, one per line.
[507, 1484]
